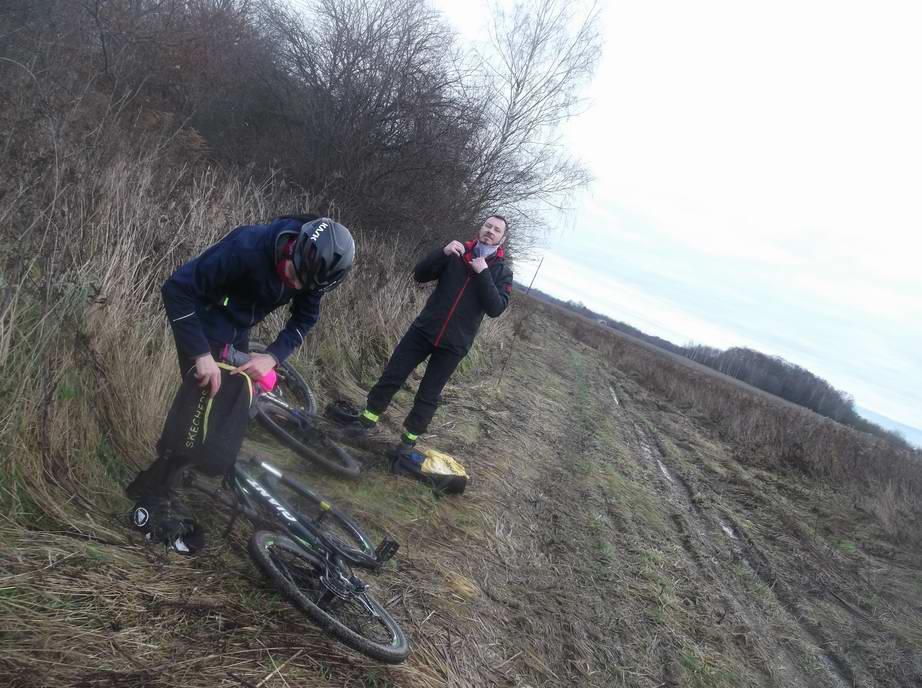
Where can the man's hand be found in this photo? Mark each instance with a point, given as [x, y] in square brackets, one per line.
[455, 247]
[208, 374]
[257, 366]
[479, 264]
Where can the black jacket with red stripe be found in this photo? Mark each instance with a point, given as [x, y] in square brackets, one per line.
[452, 315]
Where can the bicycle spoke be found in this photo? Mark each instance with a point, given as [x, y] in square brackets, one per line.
[361, 618]
[350, 608]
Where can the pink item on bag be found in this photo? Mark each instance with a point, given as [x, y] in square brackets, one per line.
[267, 381]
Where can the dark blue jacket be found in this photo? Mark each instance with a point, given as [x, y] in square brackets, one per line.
[216, 298]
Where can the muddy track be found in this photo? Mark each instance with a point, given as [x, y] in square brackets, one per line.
[727, 576]
[700, 533]
[558, 583]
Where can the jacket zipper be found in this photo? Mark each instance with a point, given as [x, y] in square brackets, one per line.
[451, 312]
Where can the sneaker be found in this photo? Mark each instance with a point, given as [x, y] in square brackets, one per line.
[188, 537]
[360, 425]
[146, 515]
[406, 451]
[342, 412]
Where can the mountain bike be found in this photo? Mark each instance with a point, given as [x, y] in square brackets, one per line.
[289, 412]
[307, 547]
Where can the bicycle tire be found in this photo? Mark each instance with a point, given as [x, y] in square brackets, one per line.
[296, 573]
[291, 385]
[317, 513]
[287, 428]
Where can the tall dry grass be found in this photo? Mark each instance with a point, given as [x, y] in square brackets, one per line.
[88, 368]
[88, 361]
[884, 480]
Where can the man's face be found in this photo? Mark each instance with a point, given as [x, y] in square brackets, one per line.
[291, 276]
[492, 231]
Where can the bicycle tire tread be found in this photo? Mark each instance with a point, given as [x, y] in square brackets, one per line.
[347, 466]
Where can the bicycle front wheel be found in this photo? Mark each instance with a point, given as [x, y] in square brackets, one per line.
[311, 443]
[354, 618]
[291, 385]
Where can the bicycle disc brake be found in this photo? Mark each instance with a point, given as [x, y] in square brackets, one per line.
[344, 587]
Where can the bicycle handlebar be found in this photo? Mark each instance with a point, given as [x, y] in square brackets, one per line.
[237, 358]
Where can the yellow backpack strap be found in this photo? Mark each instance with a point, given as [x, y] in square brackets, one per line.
[246, 377]
[205, 423]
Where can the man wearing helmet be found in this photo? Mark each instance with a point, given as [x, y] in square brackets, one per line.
[473, 279]
[213, 300]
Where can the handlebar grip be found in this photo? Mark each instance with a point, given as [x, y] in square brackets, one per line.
[237, 358]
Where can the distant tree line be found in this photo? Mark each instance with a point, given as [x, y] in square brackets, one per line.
[772, 374]
[372, 105]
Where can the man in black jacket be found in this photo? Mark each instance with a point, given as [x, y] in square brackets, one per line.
[473, 280]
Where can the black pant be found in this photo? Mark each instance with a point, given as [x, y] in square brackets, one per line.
[154, 481]
[412, 350]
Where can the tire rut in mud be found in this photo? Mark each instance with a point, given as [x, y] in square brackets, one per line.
[696, 529]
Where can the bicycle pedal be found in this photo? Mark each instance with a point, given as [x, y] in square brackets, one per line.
[386, 550]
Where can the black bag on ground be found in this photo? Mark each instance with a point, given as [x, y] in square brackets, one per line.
[438, 470]
[208, 432]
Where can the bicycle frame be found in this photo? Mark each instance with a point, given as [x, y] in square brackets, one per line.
[297, 412]
[335, 586]
[334, 578]
[247, 488]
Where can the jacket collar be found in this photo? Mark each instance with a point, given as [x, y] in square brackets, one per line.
[469, 252]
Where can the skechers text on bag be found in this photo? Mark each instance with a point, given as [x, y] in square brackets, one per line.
[208, 432]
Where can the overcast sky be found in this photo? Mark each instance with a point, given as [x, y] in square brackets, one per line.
[758, 179]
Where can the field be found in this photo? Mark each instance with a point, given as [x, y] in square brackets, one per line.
[608, 538]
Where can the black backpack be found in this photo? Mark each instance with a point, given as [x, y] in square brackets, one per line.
[204, 432]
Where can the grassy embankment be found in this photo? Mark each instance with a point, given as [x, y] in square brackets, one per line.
[632, 522]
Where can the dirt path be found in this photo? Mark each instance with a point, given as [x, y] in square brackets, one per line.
[630, 560]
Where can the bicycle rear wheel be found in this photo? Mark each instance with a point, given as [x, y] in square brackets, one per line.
[291, 386]
[352, 616]
[310, 442]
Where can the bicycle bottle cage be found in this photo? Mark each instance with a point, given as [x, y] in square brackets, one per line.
[386, 550]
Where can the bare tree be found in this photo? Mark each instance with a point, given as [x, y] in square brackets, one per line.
[367, 103]
[544, 53]
[372, 89]
[404, 132]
